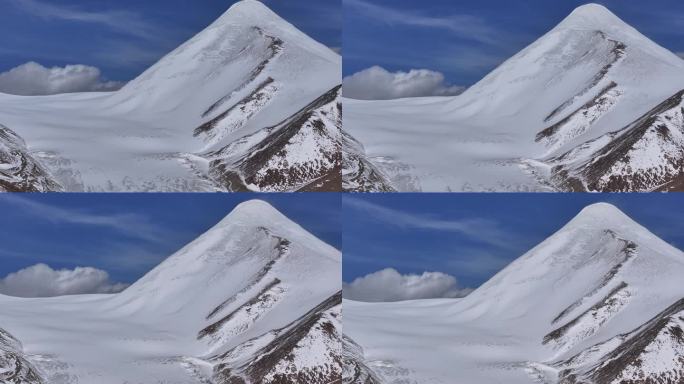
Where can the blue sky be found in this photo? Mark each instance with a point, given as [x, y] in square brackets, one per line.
[128, 234]
[124, 37]
[473, 236]
[465, 40]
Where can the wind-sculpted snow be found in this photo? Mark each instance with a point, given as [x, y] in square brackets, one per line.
[577, 123]
[236, 116]
[246, 73]
[538, 122]
[591, 304]
[589, 322]
[256, 298]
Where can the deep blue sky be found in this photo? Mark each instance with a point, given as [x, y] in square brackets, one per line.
[473, 236]
[124, 37]
[135, 231]
[467, 39]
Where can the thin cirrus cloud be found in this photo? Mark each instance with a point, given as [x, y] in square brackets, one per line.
[34, 79]
[129, 224]
[389, 285]
[376, 83]
[40, 280]
[480, 230]
[465, 26]
[125, 22]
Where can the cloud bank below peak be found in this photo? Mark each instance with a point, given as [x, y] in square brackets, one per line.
[377, 83]
[32, 79]
[41, 280]
[389, 285]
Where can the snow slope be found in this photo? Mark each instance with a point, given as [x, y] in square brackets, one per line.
[601, 290]
[255, 299]
[576, 89]
[248, 72]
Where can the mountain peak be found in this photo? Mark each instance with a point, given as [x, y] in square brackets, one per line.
[601, 209]
[249, 6]
[604, 216]
[249, 9]
[592, 9]
[592, 16]
[254, 207]
[254, 212]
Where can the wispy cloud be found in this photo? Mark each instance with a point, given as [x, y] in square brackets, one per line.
[481, 230]
[122, 21]
[465, 26]
[130, 224]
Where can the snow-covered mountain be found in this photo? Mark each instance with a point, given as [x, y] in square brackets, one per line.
[593, 105]
[249, 103]
[255, 299]
[600, 301]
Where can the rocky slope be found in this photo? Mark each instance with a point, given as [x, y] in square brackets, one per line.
[647, 155]
[19, 170]
[301, 153]
[14, 367]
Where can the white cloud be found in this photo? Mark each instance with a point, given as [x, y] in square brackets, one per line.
[42, 281]
[680, 54]
[131, 224]
[376, 83]
[389, 285]
[34, 79]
